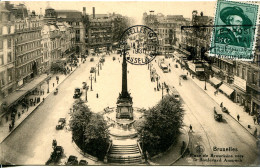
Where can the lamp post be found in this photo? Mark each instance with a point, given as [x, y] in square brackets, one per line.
[98, 68]
[95, 75]
[91, 78]
[205, 88]
[162, 91]
[48, 82]
[157, 79]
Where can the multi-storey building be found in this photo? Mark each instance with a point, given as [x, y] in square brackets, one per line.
[67, 39]
[168, 30]
[99, 33]
[7, 56]
[28, 49]
[74, 19]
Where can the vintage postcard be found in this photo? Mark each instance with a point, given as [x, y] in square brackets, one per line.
[119, 83]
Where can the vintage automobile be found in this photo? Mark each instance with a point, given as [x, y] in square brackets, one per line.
[55, 155]
[91, 59]
[217, 115]
[56, 91]
[77, 93]
[102, 60]
[118, 51]
[61, 123]
[83, 163]
[92, 70]
[72, 161]
[225, 110]
[84, 85]
[184, 77]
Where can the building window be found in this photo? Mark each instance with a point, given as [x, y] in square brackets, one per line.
[1, 44]
[2, 81]
[9, 57]
[9, 73]
[77, 23]
[254, 78]
[243, 73]
[1, 59]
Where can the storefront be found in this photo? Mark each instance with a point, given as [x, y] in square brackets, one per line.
[227, 90]
[215, 82]
[240, 91]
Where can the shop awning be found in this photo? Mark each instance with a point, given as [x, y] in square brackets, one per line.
[215, 81]
[226, 89]
[18, 94]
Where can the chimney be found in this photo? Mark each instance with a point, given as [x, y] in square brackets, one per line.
[84, 11]
[93, 12]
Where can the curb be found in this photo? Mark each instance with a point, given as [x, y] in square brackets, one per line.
[35, 108]
[225, 113]
[187, 144]
[186, 147]
[84, 154]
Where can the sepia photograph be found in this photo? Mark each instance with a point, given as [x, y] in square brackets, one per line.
[130, 83]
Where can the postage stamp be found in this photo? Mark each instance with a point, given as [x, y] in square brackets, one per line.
[234, 30]
[140, 44]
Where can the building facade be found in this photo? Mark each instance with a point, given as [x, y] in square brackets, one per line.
[28, 49]
[7, 51]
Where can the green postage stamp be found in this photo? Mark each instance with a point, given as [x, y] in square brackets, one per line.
[235, 30]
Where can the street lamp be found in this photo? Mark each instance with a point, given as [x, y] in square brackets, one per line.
[48, 89]
[91, 78]
[98, 68]
[205, 88]
[157, 79]
[162, 91]
[95, 75]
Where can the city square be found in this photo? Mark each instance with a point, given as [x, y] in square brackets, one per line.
[81, 88]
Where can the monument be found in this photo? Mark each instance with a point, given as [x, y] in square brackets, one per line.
[124, 101]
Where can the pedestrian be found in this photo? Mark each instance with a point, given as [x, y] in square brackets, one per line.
[27, 106]
[19, 114]
[53, 84]
[43, 99]
[238, 117]
[254, 119]
[255, 132]
[191, 128]
[97, 95]
[187, 73]
[10, 127]
[22, 111]
[221, 104]
[155, 89]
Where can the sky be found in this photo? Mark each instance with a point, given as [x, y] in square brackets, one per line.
[133, 9]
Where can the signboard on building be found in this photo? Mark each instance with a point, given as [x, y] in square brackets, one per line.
[241, 83]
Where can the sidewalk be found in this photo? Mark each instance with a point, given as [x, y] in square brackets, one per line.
[234, 109]
[4, 133]
[173, 154]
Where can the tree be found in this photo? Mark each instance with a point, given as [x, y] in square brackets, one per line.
[96, 136]
[89, 130]
[161, 126]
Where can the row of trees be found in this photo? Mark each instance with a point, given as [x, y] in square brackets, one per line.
[89, 130]
[161, 125]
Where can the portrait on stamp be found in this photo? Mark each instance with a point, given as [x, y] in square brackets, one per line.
[234, 29]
